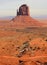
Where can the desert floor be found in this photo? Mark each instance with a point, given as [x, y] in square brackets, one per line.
[27, 46]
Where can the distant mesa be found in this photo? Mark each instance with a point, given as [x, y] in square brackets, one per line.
[23, 10]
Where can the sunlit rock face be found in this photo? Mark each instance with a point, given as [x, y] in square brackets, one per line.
[23, 10]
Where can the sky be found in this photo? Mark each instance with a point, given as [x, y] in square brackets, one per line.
[9, 7]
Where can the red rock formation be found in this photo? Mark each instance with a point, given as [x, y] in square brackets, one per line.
[23, 10]
[23, 18]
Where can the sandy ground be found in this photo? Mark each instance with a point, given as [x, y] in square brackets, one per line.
[27, 46]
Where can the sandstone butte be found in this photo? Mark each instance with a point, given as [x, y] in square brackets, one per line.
[23, 18]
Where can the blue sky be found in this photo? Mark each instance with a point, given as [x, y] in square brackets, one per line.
[9, 7]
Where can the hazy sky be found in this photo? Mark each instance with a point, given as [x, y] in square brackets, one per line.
[9, 7]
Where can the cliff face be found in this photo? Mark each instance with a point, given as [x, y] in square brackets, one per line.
[23, 10]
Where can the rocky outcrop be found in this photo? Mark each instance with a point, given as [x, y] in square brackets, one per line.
[23, 18]
[23, 10]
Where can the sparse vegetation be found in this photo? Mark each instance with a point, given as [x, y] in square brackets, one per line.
[45, 63]
[21, 62]
[46, 40]
[23, 42]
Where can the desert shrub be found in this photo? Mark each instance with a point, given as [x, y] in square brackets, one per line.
[34, 48]
[45, 63]
[26, 44]
[31, 48]
[29, 38]
[21, 62]
[40, 63]
[46, 40]
[3, 48]
[12, 44]
[38, 48]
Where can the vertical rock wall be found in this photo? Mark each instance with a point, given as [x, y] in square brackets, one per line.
[23, 10]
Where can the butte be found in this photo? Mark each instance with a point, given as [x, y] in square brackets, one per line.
[23, 18]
